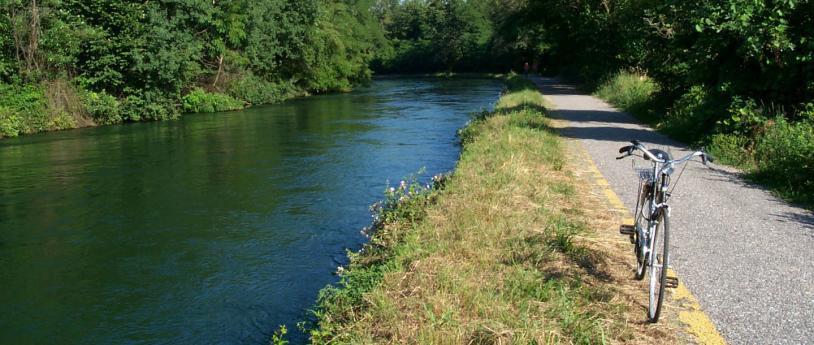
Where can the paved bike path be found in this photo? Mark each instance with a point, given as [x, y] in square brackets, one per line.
[745, 254]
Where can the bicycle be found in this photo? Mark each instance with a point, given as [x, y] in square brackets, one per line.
[650, 232]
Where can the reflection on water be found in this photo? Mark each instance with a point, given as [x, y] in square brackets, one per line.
[214, 228]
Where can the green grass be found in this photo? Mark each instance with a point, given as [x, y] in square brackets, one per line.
[492, 257]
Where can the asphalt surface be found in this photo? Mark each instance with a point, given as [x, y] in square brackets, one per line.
[744, 253]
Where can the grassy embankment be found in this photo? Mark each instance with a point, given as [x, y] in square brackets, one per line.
[505, 250]
[770, 149]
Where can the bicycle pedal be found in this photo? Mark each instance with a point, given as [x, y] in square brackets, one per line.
[671, 282]
[627, 229]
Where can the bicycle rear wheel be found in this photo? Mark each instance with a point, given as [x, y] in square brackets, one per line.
[659, 262]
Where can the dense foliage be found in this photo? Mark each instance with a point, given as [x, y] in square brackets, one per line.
[733, 75]
[68, 63]
[435, 35]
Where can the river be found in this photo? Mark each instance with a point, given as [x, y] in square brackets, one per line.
[214, 228]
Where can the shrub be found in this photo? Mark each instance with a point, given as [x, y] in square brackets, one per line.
[806, 111]
[785, 159]
[145, 105]
[746, 117]
[200, 101]
[104, 108]
[22, 110]
[627, 90]
[131, 108]
[9, 122]
[157, 106]
[732, 149]
[62, 120]
[694, 114]
[256, 90]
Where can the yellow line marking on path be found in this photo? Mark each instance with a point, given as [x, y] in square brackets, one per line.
[697, 323]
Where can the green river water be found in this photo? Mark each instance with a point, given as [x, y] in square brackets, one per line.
[214, 228]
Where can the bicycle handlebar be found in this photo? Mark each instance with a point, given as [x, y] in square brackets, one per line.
[705, 157]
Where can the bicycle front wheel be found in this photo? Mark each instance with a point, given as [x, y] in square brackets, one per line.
[641, 224]
[659, 262]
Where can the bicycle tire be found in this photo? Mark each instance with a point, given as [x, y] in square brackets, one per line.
[658, 276]
[640, 223]
[641, 263]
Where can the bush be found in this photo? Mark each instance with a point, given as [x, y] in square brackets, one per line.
[157, 106]
[255, 90]
[746, 117]
[9, 122]
[694, 114]
[806, 111]
[732, 149]
[131, 108]
[22, 110]
[145, 105]
[200, 101]
[785, 159]
[628, 90]
[62, 120]
[104, 108]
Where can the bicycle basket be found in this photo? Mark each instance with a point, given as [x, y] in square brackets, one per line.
[645, 175]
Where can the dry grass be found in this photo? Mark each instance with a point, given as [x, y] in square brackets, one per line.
[515, 250]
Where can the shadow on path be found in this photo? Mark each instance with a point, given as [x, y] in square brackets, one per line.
[598, 125]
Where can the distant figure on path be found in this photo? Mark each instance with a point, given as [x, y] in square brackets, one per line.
[526, 68]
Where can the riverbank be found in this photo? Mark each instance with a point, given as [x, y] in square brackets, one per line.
[60, 105]
[68, 65]
[514, 247]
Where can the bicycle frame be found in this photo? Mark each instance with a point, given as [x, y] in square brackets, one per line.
[657, 203]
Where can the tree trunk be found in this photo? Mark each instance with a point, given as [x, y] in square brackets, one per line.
[33, 38]
[220, 69]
